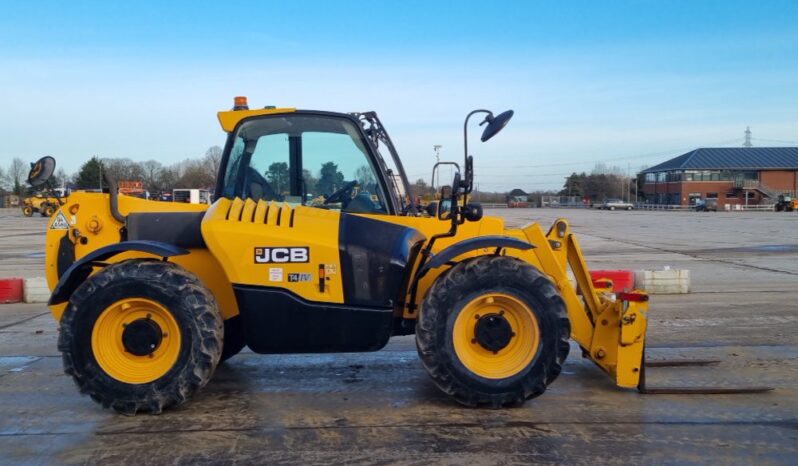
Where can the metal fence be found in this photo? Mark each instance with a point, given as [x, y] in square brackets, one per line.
[572, 202]
[724, 208]
[640, 206]
[663, 207]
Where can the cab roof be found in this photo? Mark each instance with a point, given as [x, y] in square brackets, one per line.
[230, 118]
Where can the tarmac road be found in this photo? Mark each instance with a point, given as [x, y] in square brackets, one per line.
[381, 408]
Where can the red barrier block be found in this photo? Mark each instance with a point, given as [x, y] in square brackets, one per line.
[10, 290]
[621, 279]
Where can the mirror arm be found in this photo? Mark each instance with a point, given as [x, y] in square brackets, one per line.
[465, 129]
[468, 176]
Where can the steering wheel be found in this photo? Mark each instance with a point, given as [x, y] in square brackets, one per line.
[342, 195]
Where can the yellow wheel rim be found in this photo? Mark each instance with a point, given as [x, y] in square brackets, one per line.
[110, 352]
[511, 359]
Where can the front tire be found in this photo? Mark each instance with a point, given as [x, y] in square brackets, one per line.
[141, 336]
[27, 211]
[522, 308]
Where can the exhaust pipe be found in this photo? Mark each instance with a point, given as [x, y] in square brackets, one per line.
[114, 198]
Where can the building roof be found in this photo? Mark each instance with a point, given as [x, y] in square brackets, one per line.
[732, 158]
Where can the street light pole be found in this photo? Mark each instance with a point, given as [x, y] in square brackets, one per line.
[437, 149]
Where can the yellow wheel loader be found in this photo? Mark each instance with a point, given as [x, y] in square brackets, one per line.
[313, 245]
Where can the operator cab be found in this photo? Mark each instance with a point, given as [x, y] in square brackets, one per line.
[317, 159]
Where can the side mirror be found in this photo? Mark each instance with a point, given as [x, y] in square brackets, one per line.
[449, 205]
[445, 209]
[495, 124]
[41, 171]
[444, 206]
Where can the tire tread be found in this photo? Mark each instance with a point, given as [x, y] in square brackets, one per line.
[205, 352]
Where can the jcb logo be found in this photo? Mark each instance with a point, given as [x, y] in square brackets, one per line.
[281, 255]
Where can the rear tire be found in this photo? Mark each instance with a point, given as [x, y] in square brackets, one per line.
[106, 367]
[481, 380]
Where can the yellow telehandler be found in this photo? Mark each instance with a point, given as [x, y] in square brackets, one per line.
[313, 244]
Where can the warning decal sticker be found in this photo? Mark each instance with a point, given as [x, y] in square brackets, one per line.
[60, 222]
[275, 275]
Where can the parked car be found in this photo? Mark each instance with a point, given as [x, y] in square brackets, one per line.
[616, 204]
[706, 205]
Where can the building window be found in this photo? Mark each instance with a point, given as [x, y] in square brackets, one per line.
[705, 175]
[731, 195]
[674, 176]
[712, 195]
[651, 177]
[661, 177]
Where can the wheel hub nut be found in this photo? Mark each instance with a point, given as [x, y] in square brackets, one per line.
[142, 337]
[493, 332]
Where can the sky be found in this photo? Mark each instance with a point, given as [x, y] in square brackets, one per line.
[625, 83]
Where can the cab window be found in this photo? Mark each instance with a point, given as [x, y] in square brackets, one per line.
[304, 159]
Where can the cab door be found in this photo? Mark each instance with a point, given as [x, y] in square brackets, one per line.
[291, 231]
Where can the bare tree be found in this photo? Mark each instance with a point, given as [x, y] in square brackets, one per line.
[16, 172]
[195, 174]
[4, 182]
[152, 174]
[60, 178]
[167, 179]
[602, 168]
[365, 176]
[123, 169]
[213, 158]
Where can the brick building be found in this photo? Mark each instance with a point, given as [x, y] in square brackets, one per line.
[738, 175]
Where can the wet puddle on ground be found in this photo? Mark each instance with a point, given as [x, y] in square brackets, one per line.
[15, 363]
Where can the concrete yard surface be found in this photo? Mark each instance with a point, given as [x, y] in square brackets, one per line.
[382, 408]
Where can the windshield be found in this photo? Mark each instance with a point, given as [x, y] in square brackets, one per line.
[315, 160]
